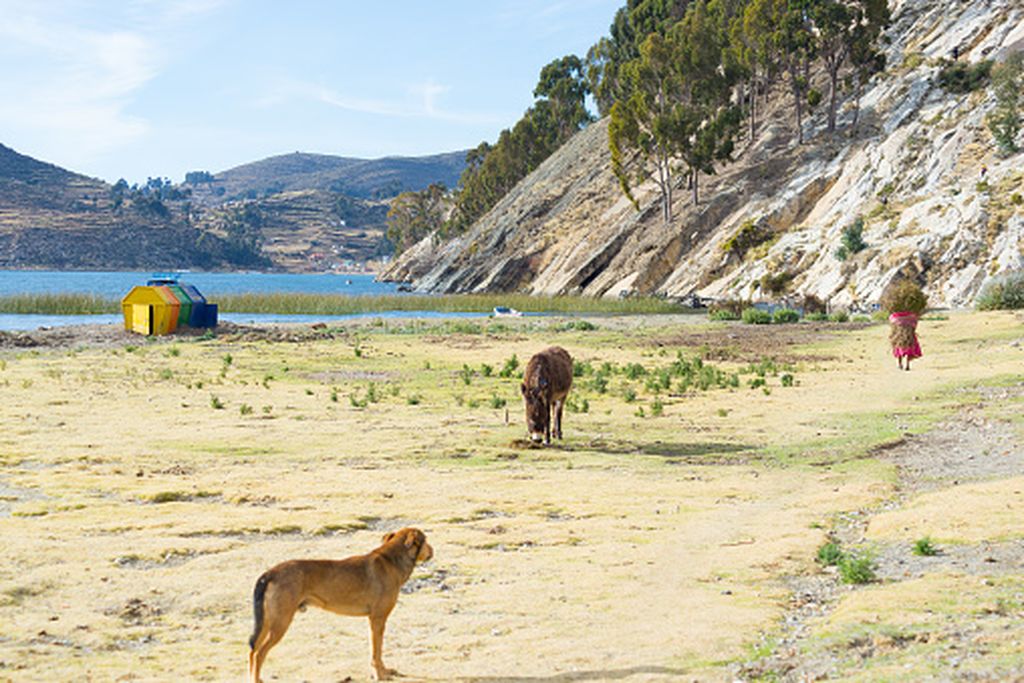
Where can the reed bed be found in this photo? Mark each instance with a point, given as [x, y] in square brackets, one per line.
[58, 304]
[338, 304]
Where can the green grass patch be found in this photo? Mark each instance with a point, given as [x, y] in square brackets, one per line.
[925, 548]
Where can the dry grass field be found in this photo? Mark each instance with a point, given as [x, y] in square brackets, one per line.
[672, 536]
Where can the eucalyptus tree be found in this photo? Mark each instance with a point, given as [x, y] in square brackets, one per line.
[842, 28]
[677, 110]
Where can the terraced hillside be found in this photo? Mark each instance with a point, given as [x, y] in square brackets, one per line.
[53, 218]
[357, 178]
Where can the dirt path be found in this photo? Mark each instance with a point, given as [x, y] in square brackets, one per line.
[968, 447]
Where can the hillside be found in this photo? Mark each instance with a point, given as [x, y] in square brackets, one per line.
[920, 170]
[358, 178]
[53, 218]
[296, 220]
[307, 230]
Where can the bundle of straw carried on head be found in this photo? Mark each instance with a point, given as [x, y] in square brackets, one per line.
[903, 335]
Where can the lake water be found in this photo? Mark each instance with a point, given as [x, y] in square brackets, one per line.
[115, 284]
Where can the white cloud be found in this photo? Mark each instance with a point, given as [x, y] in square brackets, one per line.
[422, 103]
[68, 84]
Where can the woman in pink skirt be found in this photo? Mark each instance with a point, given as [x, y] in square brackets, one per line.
[903, 337]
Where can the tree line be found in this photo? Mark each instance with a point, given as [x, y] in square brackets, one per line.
[677, 78]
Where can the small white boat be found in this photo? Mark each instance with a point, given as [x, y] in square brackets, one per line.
[506, 312]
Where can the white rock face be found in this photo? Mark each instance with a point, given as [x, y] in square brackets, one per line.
[921, 171]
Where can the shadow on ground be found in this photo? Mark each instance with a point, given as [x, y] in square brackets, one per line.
[570, 677]
[697, 453]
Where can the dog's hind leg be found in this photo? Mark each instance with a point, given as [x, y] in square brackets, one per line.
[275, 625]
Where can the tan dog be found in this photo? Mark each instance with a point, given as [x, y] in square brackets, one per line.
[359, 586]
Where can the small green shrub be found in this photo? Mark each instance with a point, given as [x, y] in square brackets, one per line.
[497, 402]
[1004, 292]
[466, 373]
[812, 304]
[245, 409]
[216, 403]
[852, 240]
[634, 371]
[784, 316]
[657, 408]
[579, 369]
[830, 554]
[787, 380]
[925, 547]
[776, 284]
[577, 406]
[723, 314]
[839, 317]
[414, 399]
[629, 394]
[486, 370]
[961, 77]
[856, 569]
[1005, 120]
[510, 367]
[755, 316]
[749, 235]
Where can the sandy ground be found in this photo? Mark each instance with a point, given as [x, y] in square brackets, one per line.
[144, 485]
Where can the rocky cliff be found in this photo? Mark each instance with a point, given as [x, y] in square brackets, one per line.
[920, 170]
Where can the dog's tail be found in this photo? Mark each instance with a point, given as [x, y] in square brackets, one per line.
[257, 607]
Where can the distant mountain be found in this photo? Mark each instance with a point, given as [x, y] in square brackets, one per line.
[360, 178]
[53, 218]
[295, 212]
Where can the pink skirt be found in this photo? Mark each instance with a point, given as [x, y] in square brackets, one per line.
[903, 335]
[913, 351]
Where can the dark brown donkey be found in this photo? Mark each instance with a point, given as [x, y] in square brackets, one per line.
[545, 385]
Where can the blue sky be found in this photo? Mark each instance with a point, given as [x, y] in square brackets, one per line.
[138, 88]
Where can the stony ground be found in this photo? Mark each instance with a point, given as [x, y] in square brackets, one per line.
[144, 485]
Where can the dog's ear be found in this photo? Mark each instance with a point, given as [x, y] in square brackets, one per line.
[387, 537]
[410, 538]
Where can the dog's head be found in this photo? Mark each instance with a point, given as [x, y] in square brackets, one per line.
[413, 540]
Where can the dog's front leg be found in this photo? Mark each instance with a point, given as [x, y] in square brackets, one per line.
[377, 638]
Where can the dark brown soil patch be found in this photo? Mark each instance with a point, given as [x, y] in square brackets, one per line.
[750, 343]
